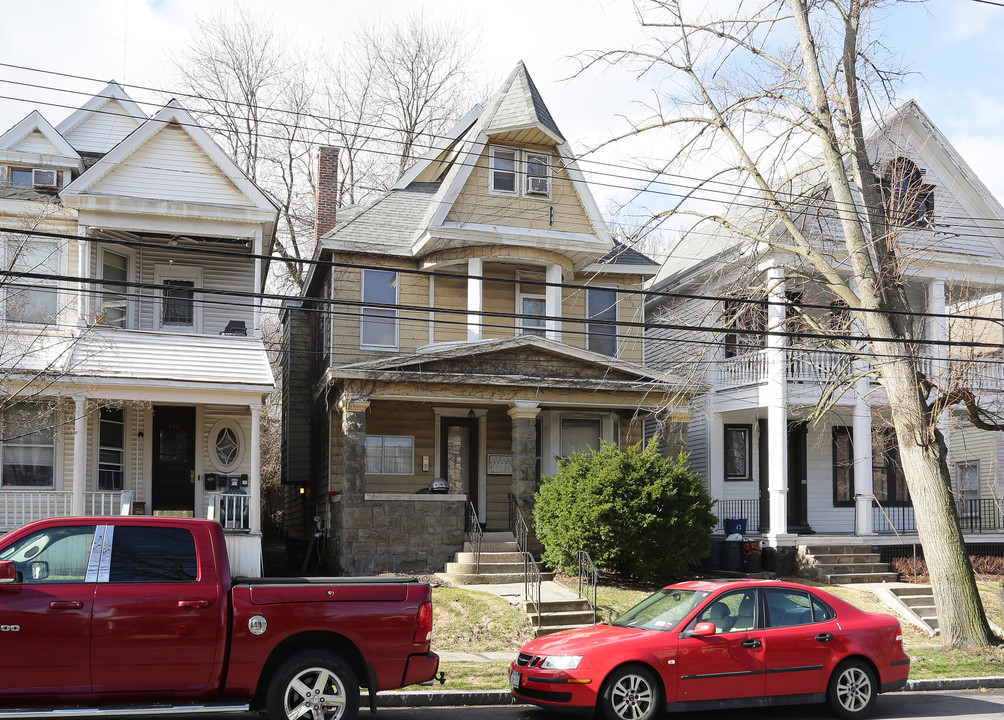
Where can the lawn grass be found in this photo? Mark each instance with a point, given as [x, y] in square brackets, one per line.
[474, 676]
[468, 621]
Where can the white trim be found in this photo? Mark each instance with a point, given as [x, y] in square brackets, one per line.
[131, 320]
[958, 477]
[539, 294]
[95, 453]
[549, 176]
[242, 446]
[624, 269]
[35, 121]
[363, 308]
[111, 91]
[515, 170]
[585, 194]
[185, 273]
[439, 148]
[463, 166]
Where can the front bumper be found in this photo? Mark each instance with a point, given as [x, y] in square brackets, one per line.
[571, 691]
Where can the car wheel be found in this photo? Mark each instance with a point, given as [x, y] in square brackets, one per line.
[630, 693]
[852, 690]
[313, 684]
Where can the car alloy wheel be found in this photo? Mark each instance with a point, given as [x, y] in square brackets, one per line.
[852, 690]
[631, 693]
[313, 685]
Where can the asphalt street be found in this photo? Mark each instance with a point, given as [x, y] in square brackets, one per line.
[971, 705]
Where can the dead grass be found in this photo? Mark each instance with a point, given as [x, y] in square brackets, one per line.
[467, 621]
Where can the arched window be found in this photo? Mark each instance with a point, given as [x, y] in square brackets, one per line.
[226, 445]
[908, 201]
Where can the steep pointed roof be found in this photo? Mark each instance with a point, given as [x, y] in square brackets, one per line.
[518, 106]
[48, 142]
[103, 121]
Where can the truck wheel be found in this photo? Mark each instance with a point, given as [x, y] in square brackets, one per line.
[852, 690]
[316, 685]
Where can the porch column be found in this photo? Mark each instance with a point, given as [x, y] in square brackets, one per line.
[83, 265]
[776, 397]
[353, 408]
[716, 455]
[937, 329]
[255, 480]
[552, 303]
[79, 455]
[524, 453]
[862, 448]
[475, 269]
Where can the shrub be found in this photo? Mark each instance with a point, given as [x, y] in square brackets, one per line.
[636, 513]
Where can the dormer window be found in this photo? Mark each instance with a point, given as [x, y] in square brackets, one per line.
[34, 178]
[516, 172]
[908, 201]
[21, 178]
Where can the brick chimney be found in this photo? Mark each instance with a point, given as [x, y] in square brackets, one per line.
[327, 190]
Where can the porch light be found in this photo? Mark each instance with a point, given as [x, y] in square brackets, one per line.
[470, 414]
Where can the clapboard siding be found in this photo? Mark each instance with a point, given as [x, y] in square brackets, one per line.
[451, 294]
[296, 396]
[629, 309]
[36, 142]
[675, 350]
[170, 166]
[969, 444]
[415, 420]
[697, 436]
[498, 438]
[101, 131]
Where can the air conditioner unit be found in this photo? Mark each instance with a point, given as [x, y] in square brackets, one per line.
[537, 185]
[44, 178]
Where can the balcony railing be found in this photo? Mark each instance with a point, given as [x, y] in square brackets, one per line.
[232, 511]
[19, 507]
[748, 510]
[812, 366]
[976, 516]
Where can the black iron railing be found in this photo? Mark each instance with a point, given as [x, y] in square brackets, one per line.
[518, 525]
[981, 515]
[747, 509]
[588, 579]
[532, 579]
[474, 533]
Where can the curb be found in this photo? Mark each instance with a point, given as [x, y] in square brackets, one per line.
[461, 698]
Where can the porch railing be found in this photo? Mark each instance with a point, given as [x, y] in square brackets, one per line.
[19, 507]
[474, 534]
[232, 511]
[893, 520]
[532, 579]
[588, 579]
[743, 509]
[981, 515]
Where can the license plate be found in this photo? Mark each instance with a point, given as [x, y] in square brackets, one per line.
[514, 678]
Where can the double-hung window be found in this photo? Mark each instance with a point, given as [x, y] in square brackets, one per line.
[32, 300]
[114, 293]
[379, 324]
[503, 171]
[843, 466]
[601, 307]
[27, 447]
[390, 455]
[888, 478]
[179, 308]
[531, 303]
[517, 172]
[111, 449]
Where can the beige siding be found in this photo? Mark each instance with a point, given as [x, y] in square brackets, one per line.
[476, 205]
[498, 439]
[630, 309]
[103, 130]
[170, 166]
[451, 294]
[415, 420]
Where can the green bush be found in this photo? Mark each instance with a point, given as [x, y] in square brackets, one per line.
[636, 513]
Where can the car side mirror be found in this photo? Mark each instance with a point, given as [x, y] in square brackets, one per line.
[8, 572]
[703, 629]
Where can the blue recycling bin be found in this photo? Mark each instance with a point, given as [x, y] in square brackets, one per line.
[735, 526]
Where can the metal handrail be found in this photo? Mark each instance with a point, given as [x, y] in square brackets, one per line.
[518, 525]
[893, 526]
[589, 577]
[532, 581]
[474, 534]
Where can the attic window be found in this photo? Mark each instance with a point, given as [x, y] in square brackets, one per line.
[908, 201]
[503, 171]
[520, 172]
[538, 175]
[21, 178]
[36, 178]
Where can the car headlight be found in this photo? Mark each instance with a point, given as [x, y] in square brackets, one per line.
[561, 662]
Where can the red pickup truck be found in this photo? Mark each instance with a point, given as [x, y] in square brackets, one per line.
[140, 612]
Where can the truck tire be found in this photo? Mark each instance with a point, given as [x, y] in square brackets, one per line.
[313, 684]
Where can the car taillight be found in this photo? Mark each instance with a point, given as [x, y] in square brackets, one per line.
[423, 628]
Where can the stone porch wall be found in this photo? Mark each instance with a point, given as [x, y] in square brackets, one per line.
[401, 533]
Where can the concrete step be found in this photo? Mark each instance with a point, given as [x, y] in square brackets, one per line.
[548, 606]
[487, 568]
[905, 592]
[846, 578]
[838, 549]
[853, 568]
[548, 629]
[499, 579]
[917, 601]
[826, 559]
[490, 557]
[498, 536]
[493, 547]
[576, 618]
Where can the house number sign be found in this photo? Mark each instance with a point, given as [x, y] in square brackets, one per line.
[500, 464]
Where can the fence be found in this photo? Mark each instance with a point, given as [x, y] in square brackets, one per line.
[19, 507]
[975, 516]
[748, 509]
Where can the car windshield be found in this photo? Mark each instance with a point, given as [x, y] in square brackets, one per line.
[662, 611]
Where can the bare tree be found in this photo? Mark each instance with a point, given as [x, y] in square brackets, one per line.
[753, 92]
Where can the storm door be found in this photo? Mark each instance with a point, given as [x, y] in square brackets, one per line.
[173, 458]
[458, 455]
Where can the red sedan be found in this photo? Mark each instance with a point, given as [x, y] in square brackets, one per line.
[716, 645]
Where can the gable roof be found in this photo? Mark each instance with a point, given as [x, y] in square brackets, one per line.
[103, 121]
[15, 144]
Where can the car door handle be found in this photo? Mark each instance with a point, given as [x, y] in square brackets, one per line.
[824, 637]
[66, 604]
[193, 603]
[754, 643]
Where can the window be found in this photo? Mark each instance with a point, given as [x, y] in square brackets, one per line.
[908, 201]
[968, 474]
[888, 479]
[538, 175]
[843, 467]
[744, 315]
[111, 449]
[27, 447]
[731, 612]
[389, 455]
[53, 555]
[786, 608]
[530, 301]
[21, 178]
[152, 555]
[580, 435]
[226, 439]
[601, 305]
[738, 444]
[178, 308]
[503, 171]
[33, 300]
[114, 302]
[379, 325]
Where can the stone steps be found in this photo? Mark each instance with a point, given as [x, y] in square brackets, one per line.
[843, 564]
[919, 601]
[487, 568]
[462, 579]
[836, 559]
[490, 557]
[548, 629]
[851, 578]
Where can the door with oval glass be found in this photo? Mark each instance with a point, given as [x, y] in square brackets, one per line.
[173, 459]
[458, 455]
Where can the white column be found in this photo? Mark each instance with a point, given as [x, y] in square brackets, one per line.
[475, 269]
[552, 303]
[79, 455]
[937, 329]
[83, 265]
[254, 482]
[862, 443]
[716, 455]
[257, 246]
[776, 396]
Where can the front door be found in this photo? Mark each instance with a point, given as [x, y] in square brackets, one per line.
[174, 458]
[458, 455]
[798, 470]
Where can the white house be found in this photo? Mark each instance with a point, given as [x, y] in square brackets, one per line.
[836, 480]
[132, 367]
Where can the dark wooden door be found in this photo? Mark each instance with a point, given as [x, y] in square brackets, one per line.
[173, 458]
[798, 480]
[764, 477]
[458, 454]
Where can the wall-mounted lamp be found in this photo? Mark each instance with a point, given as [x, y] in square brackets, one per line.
[470, 414]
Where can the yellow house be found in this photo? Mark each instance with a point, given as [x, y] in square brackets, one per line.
[472, 325]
